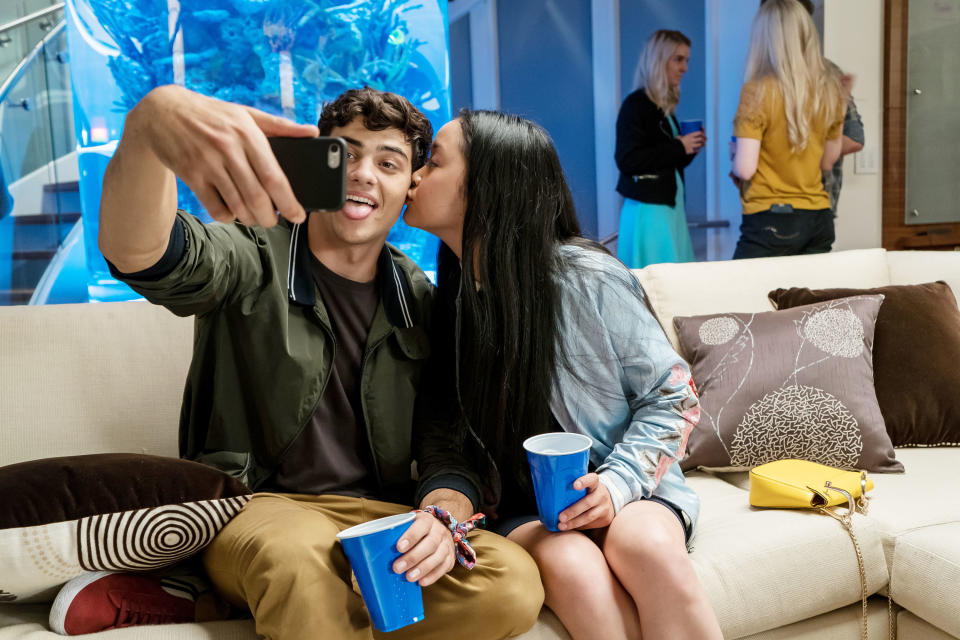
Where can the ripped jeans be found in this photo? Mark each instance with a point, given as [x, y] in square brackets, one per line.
[767, 234]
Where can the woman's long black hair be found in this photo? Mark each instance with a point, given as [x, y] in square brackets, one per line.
[519, 209]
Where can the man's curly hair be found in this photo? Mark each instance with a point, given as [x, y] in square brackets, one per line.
[380, 110]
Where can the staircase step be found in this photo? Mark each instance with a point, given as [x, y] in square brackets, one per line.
[41, 232]
[38, 237]
[60, 196]
[33, 254]
[27, 267]
[73, 185]
[67, 217]
[15, 296]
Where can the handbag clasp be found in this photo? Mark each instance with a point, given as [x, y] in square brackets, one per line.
[851, 504]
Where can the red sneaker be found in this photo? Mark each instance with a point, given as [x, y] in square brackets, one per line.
[105, 600]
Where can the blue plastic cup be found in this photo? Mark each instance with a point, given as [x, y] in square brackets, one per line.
[689, 126]
[556, 461]
[391, 600]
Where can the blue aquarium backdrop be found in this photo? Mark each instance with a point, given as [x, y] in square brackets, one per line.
[285, 57]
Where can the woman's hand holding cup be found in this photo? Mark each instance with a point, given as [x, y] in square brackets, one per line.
[693, 142]
[593, 511]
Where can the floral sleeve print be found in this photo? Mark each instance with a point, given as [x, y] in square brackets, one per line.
[689, 412]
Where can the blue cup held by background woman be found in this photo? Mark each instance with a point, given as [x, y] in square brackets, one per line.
[556, 461]
[689, 126]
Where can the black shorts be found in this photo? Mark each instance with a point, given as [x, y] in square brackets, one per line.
[505, 526]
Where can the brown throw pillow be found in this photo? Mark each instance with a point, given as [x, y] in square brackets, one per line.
[787, 384]
[916, 358]
[60, 517]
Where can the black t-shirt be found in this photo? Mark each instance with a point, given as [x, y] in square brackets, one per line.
[333, 455]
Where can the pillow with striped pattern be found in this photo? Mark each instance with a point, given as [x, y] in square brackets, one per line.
[60, 517]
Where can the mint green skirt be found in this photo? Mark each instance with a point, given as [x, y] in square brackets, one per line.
[653, 233]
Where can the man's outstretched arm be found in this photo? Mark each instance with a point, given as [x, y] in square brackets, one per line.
[220, 150]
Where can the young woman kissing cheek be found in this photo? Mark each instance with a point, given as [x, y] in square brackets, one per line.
[436, 201]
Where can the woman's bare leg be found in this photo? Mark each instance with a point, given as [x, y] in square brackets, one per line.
[579, 586]
[646, 549]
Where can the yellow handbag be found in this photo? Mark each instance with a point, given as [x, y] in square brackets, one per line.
[801, 484]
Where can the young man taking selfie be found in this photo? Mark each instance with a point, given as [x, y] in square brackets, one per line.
[309, 339]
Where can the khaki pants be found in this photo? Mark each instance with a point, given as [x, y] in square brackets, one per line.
[279, 557]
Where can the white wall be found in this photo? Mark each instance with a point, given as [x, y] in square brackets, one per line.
[853, 38]
[728, 40]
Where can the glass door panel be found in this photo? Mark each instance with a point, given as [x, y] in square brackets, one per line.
[933, 112]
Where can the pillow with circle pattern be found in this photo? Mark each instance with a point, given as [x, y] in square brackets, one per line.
[60, 517]
[796, 383]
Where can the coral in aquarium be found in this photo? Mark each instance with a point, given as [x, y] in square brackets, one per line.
[282, 56]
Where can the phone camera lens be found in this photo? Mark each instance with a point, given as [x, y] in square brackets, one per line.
[333, 156]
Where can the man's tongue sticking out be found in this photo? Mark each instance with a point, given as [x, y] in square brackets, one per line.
[354, 209]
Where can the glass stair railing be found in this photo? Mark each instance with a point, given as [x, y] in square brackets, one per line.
[39, 195]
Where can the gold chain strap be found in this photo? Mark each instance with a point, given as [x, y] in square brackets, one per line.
[847, 523]
[860, 505]
[891, 630]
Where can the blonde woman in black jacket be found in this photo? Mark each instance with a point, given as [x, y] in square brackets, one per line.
[651, 155]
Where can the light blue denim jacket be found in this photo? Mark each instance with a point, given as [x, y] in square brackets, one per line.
[626, 387]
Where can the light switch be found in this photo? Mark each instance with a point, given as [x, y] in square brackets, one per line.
[865, 161]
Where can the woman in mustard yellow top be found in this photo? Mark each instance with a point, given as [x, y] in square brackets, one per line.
[788, 127]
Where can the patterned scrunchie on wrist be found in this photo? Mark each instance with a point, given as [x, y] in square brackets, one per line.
[466, 556]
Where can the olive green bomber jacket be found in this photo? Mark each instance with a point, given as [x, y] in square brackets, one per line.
[263, 351]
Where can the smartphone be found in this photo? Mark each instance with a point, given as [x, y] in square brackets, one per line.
[316, 169]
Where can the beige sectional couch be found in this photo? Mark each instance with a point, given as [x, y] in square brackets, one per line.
[108, 378]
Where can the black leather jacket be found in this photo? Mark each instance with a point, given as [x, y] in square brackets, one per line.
[647, 152]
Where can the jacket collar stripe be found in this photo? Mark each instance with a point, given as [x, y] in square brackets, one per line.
[394, 287]
[300, 286]
[404, 309]
[291, 269]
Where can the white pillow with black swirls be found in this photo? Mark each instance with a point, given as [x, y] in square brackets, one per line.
[60, 517]
[796, 383]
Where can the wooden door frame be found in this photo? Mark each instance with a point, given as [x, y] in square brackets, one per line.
[896, 234]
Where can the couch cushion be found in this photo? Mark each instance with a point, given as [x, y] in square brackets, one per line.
[915, 267]
[696, 288]
[925, 577]
[61, 517]
[91, 378]
[547, 627]
[924, 495]
[841, 624]
[764, 568]
[29, 622]
[711, 488]
[33, 626]
[21, 614]
[796, 383]
[910, 627]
